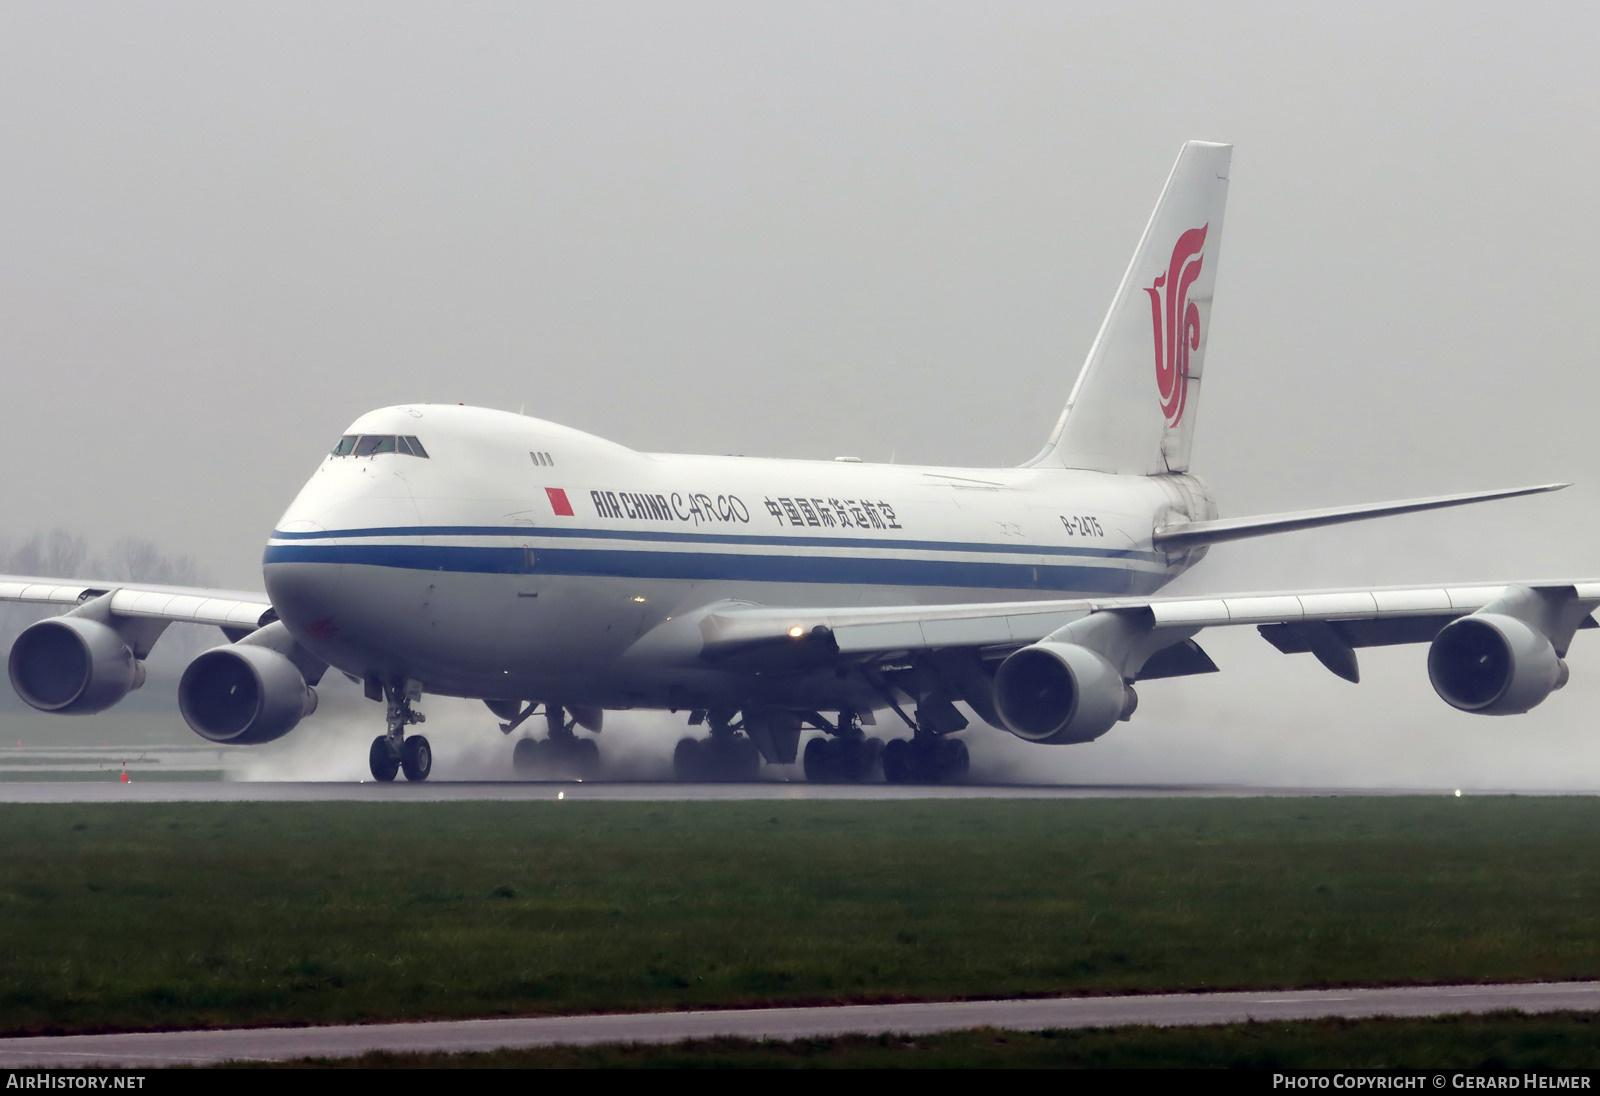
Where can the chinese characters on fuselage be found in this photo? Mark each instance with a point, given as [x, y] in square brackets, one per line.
[833, 513]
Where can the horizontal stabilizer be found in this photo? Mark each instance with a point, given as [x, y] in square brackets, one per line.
[1192, 534]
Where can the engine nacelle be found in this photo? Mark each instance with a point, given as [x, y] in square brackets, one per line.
[1060, 693]
[506, 710]
[73, 665]
[1493, 664]
[244, 695]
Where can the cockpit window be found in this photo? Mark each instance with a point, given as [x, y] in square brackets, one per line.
[367, 445]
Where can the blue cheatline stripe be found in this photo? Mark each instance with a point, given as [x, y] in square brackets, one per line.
[529, 531]
[704, 566]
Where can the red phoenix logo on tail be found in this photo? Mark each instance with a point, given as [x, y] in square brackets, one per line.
[1176, 322]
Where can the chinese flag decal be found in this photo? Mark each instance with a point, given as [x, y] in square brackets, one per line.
[558, 502]
[323, 629]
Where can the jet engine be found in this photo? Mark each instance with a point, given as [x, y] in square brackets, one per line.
[1060, 693]
[1493, 664]
[73, 665]
[244, 695]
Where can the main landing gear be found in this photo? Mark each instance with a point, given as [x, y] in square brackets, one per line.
[392, 752]
[560, 755]
[848, 756]
[924, 759]
[845, 756]
[726, 757]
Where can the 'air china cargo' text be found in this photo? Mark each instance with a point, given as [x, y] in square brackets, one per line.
[701, 509]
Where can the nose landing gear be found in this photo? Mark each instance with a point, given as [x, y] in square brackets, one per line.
[392, 751]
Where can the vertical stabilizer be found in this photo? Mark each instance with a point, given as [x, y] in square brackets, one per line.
[1133, 407]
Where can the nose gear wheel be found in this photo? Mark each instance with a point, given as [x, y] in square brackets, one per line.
[416, 758]
[382, 759]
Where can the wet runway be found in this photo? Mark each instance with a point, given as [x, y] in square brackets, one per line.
[139, 790]
[276, 1044]
[19, 762]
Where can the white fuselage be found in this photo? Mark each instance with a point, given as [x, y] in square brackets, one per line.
[521, 559]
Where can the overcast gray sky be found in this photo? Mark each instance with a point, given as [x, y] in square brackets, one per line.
[798, 230]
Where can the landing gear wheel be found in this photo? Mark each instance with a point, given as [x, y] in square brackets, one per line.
[730, 760]
[525, 756]
[382, 760]
[745, 761]
[899, 765]
[950, 760]
[871, 759]
[583, 758]
[416, 758]
[733, 759]
[818, 761]
[686, 767]
[843, 760]
[928, 761]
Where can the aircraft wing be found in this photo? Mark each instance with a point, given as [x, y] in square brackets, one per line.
[1377, 616]
[236, 612]
[1059, 671]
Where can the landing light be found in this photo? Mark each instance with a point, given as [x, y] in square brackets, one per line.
[796, 632]
[638, 597]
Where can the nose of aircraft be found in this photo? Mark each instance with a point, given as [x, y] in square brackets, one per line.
[301, 571]
[345, 506]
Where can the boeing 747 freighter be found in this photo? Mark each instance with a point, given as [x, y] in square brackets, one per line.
[475, 553]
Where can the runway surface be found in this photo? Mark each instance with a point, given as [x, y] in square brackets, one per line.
[154, 791]
[274, 1044]
[151, 760]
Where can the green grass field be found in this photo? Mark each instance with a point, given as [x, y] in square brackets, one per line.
[124, 916]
